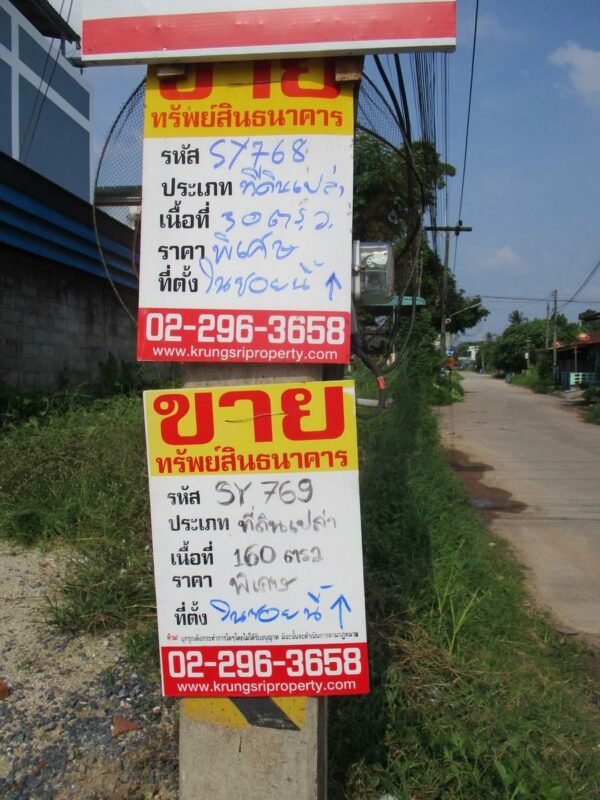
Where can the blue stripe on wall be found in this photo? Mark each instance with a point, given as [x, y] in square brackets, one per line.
[37, 228]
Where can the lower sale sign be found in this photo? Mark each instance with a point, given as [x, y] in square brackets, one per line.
[246, 239]
[256, 539]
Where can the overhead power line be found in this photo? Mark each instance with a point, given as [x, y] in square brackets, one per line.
[464, 169]
[40, 99]
[583, 285]
[468, 126]
[533, 299]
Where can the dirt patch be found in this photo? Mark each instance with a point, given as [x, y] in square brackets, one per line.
[488, 500]
[61, 696]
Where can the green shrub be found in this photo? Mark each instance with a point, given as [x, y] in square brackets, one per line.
[534, 380]
[593, 414]
[592, 394]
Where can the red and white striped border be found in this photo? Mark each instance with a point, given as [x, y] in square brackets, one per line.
[140, 31]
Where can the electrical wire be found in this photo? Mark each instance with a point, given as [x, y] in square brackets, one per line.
[536, 299]
[371, 364]
[469, 105]
[27, 146]
[464, 169]
[374, 109]
[396, 327]
[42, 8]
[122, 117]
[583, 285]
[394, 111]
[446, 124]
[39, 89]
[403, 95]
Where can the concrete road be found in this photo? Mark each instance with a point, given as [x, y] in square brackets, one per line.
[549, 459]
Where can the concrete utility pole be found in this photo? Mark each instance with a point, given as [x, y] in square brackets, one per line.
[256, 748]
[252, 749]
[456, 229]
[554, 333]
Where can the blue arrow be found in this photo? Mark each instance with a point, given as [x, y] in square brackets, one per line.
[340, 603]
[331, 283]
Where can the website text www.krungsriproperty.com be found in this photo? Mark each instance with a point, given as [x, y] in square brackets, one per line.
[270, 688]
[287, 354]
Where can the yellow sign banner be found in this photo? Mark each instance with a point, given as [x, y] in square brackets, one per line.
[290, 96]
[248, 429]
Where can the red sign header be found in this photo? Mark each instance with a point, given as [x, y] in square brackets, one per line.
[157, 30]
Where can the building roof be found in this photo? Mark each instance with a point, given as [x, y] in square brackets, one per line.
[46, 19]
[593, 340]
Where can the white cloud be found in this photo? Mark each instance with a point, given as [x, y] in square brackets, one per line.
[490, 28]
[584, 69]
[504, 258]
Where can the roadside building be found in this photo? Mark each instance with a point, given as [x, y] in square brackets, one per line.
[45, 120]
[60, 316]
[579, 362]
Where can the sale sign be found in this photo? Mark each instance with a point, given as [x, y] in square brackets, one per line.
[246, 243]
[130, 31]
[256, 539]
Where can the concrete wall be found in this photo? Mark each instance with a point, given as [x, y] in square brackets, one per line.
[58, 323]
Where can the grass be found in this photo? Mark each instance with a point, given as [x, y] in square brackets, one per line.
[593, 414]
[531, 379]
[78, 477]
[592, 396]
[446, 389]
[473, 695]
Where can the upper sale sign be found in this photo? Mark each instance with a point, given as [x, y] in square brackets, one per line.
[256, 540]
[157, 30]
[247, 215]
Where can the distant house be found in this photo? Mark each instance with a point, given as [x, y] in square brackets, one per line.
[579, 361]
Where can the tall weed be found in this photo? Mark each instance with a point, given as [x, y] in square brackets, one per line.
[473, 695]
[79, 480]
[538, 382]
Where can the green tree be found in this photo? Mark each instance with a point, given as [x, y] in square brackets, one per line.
[516, 317]
[462, 310]
[509, 351]
[392, 186]
[484, 359]
[590, 319]
[391, 189]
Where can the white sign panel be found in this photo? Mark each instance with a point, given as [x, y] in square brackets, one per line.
[247, 215]
[157, 30]
[256, 539]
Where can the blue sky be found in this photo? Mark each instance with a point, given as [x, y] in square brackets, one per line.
[532, 183]
[532, 187]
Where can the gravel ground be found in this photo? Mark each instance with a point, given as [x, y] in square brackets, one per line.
[76, 721]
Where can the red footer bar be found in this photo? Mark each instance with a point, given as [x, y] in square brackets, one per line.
[269, 671]
[279, 337]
